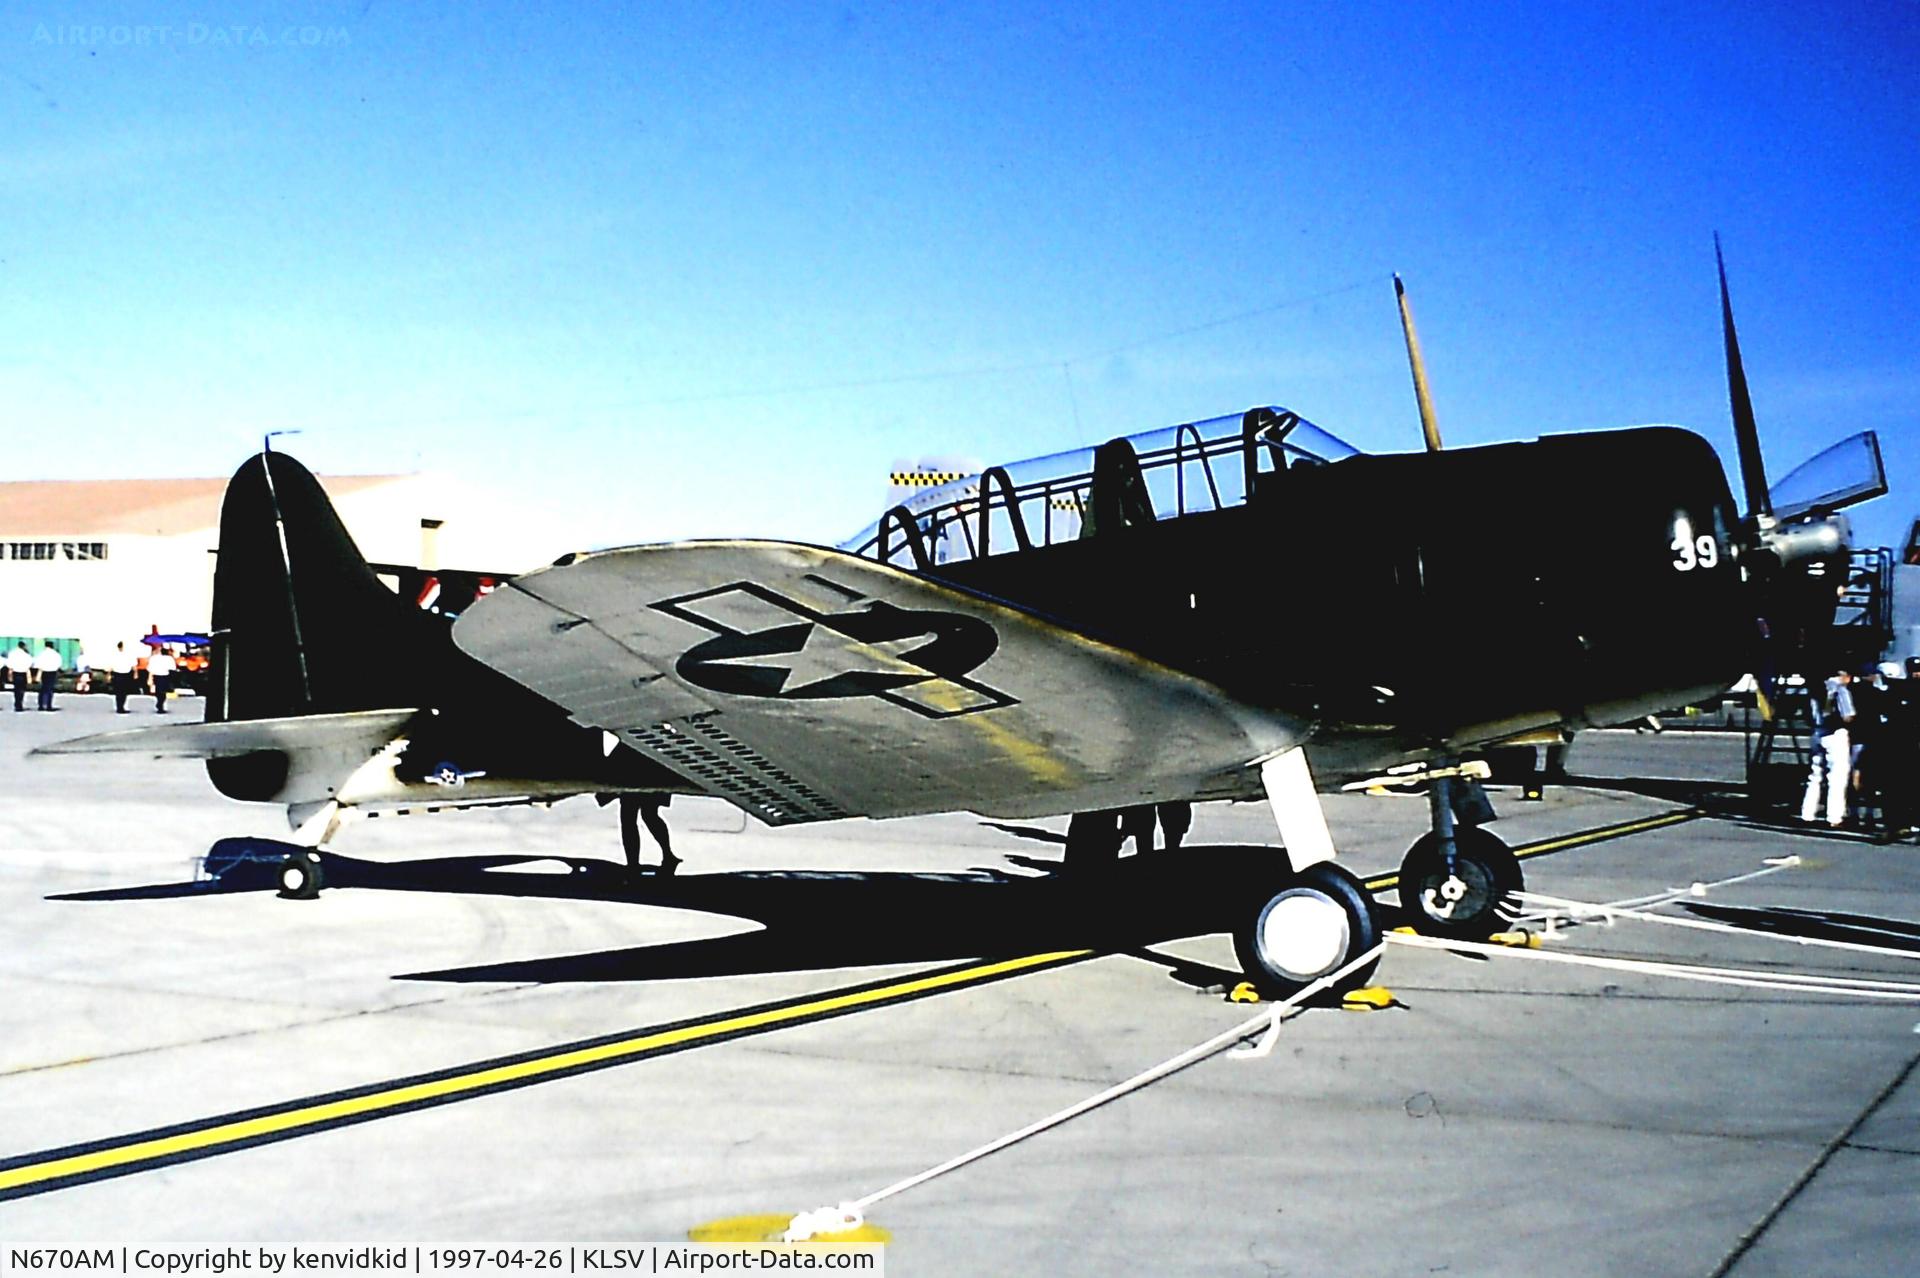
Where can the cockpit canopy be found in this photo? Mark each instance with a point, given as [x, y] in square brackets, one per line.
[1136, 479]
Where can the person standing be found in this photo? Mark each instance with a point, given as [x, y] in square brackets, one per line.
[1867, 733]
[160, 674]
[635, 808]
[1895, 763]
[82, 671]
[48, 666]
[122, 670]
[19, 670]
[1832, 753]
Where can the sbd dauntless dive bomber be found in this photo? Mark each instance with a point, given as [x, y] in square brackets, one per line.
[1230, 609]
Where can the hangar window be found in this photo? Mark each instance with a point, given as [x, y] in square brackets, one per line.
[83, 550]
[30, 550]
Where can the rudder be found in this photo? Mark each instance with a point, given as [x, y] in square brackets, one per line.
[301, 625]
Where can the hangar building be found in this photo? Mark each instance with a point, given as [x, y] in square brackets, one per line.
[89, 563]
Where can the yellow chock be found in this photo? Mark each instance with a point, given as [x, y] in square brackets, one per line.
[1516, 940]
[1374, 998]
[769, 1228]
[1378, 791]
[1407, 931]
[1244, 993]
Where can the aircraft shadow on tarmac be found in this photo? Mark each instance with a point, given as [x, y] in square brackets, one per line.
[1729, 801]
[810, 920]
[1717, 797]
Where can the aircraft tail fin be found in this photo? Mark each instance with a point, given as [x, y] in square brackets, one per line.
[301, 624]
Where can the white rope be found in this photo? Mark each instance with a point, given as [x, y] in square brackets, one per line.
[1773, 866]
[850, 1215]
[1751, 978]
[1638, 910]
[1578, 911]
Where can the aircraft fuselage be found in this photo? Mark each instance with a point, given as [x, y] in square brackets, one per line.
[1425, 600]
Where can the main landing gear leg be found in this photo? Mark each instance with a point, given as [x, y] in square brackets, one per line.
[1459, 881]
[1314, 916]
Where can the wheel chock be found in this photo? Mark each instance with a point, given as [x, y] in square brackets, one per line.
[1522, 940]
[768, 1228]
[1374, 998]
[1244, 992]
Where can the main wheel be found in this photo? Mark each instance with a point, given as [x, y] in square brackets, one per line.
[1474, 901]
[300, 877]
[1317, 922]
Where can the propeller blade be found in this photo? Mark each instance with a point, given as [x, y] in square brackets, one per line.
[1428, 426]
[1746, 432]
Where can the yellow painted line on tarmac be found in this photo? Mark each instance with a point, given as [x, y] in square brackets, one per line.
[35, 1069]
[1600, 834]
[58, 1168]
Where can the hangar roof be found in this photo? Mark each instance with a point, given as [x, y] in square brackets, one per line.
[145, 507]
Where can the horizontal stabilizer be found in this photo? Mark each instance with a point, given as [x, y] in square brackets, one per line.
[371, 728]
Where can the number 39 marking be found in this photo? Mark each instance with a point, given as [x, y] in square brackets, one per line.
[1694, 552]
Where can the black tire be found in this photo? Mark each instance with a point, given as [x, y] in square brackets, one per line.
[1489, 876]
[1260, 939]
[300, 876]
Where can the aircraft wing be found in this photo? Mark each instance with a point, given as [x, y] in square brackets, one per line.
[804, 684]
[372, 729]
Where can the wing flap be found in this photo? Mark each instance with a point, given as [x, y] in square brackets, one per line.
[803, 683]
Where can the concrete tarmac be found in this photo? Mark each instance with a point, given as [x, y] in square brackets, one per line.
[1511, 1115]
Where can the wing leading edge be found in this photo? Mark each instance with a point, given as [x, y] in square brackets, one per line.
[804, 684]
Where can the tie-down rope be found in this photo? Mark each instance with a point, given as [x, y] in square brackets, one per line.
[1752, 978]
[1773, 865]
[851, 1215]
[1637, 909]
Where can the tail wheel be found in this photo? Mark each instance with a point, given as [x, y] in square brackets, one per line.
[1317, 922]
[1473, 900]
[300, 877]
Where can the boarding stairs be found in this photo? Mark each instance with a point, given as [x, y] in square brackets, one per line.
[1780, 749]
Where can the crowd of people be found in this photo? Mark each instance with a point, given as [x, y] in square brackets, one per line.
[1866, 751]
[130, 675]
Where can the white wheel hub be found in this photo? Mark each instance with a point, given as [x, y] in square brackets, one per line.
[1443, 900]
[1304, 933]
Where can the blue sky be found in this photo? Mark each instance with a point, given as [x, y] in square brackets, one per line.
[712, 268]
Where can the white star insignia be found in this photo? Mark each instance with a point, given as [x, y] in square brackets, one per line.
[827, 654]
